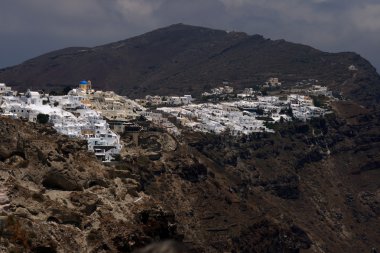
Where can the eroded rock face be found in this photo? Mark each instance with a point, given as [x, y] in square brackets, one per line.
[56, 197]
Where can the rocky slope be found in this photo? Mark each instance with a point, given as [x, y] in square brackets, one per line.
[310, 187]
[186, 59]
[56, 197]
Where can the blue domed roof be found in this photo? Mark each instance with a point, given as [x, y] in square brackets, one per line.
[83, 82]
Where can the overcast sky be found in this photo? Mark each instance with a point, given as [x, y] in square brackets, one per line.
[31, 27]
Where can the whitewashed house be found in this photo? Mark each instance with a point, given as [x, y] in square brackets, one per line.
[174, 101]
[5, 90]
[33, 98]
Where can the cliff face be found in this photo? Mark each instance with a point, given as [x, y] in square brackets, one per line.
[186, 59]
[310, 187]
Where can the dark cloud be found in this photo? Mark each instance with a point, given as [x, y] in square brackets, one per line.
[30, 28]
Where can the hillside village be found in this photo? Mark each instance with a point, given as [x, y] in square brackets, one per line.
[101, 117]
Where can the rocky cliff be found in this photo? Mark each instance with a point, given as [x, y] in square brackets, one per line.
[56, 197]
[310, 187]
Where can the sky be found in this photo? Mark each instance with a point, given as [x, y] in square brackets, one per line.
[29, 28]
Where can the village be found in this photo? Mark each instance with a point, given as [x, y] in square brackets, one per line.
[101, 117]
[244, 117]
[74, 115]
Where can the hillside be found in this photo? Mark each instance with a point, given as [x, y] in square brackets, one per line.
[56, 197]
[310, 187]
[187, 59]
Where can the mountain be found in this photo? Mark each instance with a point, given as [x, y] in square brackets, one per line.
[308, 187]
[186, 59]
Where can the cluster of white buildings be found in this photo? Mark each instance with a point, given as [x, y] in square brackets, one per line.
[244, 117]
[217, 118]
[165, 100]
[318, 90]
[299, 106]
[70, 115]
[273, 107]
[88, 114]
[248, 94]
[303, 108]
[223, 90]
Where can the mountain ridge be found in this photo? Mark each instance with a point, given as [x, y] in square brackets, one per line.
[189, 59]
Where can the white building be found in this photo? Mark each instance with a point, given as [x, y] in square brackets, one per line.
[318, 90]
[174, 101]
[273, 82]
[154, 100]
[186, 99]
[4, 90]
[352, 68]
[33, 98]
